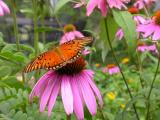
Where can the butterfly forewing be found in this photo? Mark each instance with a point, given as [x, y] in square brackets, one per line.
[73, 49]
[47, 60]
[59, 56]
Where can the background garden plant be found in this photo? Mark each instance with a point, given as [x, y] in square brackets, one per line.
[124, 56]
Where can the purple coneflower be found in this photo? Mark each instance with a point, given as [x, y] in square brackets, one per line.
[3, 8]
[142, 47]
[140, 4]
[103, 5]
[151, 27]
[75, 85]
[111, 69]
[70, 33]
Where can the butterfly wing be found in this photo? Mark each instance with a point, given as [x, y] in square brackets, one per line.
[59, 56]
[72, 50]
[46, 60]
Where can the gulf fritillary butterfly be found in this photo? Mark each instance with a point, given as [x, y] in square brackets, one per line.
[59, 56]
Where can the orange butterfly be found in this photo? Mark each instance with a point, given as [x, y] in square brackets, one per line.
[59, 56]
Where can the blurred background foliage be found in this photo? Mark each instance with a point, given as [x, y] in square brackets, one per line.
[51, 16]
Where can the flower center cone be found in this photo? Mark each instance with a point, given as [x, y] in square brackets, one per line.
[73, 68]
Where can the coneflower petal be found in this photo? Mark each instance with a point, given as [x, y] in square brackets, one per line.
[67, 96]
[47, 92]
[78, 103]
[87, 94]
[54, 95]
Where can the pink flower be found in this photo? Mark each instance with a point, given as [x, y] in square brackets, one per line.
[3, 8]
[70, 36]
[151, 27]
[140, 4]
[104, 4]
[117, 3]
[70, 33]
[79, 4]
[75, 85]
[111, 69]
[142, 47]
[119, 34]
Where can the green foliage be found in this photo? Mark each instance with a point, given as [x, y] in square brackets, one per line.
[128, 25]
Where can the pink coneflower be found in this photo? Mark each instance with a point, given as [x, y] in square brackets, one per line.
[74, 84]
[140, 4]
[111, 69]
[3, 8]
[103, 5]
[70, 33]
[151, 27]
[142, 47]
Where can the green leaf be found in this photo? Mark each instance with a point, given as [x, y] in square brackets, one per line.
[110, 22]
[5, 71]
[60, 4]
[125, 21]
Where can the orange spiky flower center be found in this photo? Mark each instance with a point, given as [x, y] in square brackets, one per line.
[133, 10]
[73, 68]
[111, 66]
[141, 44]
[69, 28]
[156, 17]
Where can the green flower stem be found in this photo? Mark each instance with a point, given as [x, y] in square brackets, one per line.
[15, 26]
[35, 21]
[43, 33]
[151, 88]
[116, 60]
[102, 115]
[68, 117]
[36, 35]
[140, 70]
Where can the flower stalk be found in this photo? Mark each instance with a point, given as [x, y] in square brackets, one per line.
[15, 25]
[151, 88]
[116, 60]
[35, 21]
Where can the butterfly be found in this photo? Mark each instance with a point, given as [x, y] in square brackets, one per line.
[59, 56]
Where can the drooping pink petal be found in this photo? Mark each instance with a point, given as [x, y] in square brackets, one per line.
[146, 29]
[47, 92]
[78, 104]
[88, 95]
[1, 11]
[119, 34]
[78, 34]
[54, 95]
[156, 35]
[91, 5]
[5, 7]
[67, 96]
[103, 7]
[40, 85]
[116, 4]
[94, 87]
